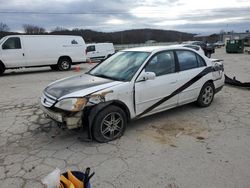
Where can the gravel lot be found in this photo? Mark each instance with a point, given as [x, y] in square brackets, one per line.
[186, 147]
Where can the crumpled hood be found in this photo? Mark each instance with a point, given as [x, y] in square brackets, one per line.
[84, 84]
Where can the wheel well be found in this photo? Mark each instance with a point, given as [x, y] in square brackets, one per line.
[93, 111]
[209, 81]
[1, 63]
[123, 107]
[64, 57]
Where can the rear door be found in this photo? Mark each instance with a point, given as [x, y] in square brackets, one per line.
[91, 51]
[152, 95]
[12, 52]
[190, 65]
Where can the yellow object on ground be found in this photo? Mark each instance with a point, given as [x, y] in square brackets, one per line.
[66, 182]
[77, 183]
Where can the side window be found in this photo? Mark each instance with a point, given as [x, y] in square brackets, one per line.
[12, 43]
[201, 61]
[187, 60]
[91, 48]
[161, 64]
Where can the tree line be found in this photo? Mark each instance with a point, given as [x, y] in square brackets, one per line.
[120, 37]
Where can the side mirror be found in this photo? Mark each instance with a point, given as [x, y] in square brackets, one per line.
[146, 76]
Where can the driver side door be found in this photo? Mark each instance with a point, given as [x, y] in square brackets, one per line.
[153, 96]
[12, 52]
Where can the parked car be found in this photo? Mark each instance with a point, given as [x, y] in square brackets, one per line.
[192, 46]
[131, 84]
[208, 48]
[100, 51]
[219, 44]
[58, 52]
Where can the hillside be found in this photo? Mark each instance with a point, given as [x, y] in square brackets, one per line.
[124, 37]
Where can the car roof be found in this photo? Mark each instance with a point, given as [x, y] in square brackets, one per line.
[157, 48]
[185, 45]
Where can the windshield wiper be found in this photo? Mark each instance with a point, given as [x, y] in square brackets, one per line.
[108, 77]
[104, 76]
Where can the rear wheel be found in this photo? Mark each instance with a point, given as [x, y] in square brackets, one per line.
[2, 68]
[206, 95]
[64, 64]
[109, 124]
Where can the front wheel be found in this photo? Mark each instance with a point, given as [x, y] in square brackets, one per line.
[109, 124]
[64, 64]
[206, 95]
[2, 69]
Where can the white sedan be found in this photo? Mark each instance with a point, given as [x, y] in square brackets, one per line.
[131, 84]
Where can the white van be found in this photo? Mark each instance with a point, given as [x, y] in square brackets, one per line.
[57, 51]
[100, 51]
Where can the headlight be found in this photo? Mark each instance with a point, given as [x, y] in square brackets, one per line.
[72, 104]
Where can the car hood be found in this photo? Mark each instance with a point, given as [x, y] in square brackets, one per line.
[81, 85]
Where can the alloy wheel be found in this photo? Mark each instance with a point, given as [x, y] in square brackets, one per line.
[112, 125]
[207, 95]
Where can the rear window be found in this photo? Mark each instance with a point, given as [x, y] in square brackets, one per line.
[201, 61]
[91, 48]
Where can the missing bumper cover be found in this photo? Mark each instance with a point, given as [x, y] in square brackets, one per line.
[71, 121]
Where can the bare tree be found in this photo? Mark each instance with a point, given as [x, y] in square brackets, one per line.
[4, 27]
[59, 29]
[33, 29]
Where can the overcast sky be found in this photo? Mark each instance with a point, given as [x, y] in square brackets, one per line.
[196, 16]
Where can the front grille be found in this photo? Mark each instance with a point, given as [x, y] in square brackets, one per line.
[48, 100]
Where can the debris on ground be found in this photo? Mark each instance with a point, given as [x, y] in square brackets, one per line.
[235, 82]
[203, 135]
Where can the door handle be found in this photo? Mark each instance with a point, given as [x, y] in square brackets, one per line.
[23, 54]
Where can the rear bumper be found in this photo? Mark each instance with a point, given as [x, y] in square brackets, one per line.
[71, 120]
[79, 62]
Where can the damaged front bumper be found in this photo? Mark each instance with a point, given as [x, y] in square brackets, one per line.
[70, 120]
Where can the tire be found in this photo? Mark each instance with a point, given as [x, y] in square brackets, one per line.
[103, 127]
[64, 64]
[2, 68]
[54, 67]
[206, 95]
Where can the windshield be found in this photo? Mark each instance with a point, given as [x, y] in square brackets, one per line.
[1, 40]
[121, 66]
